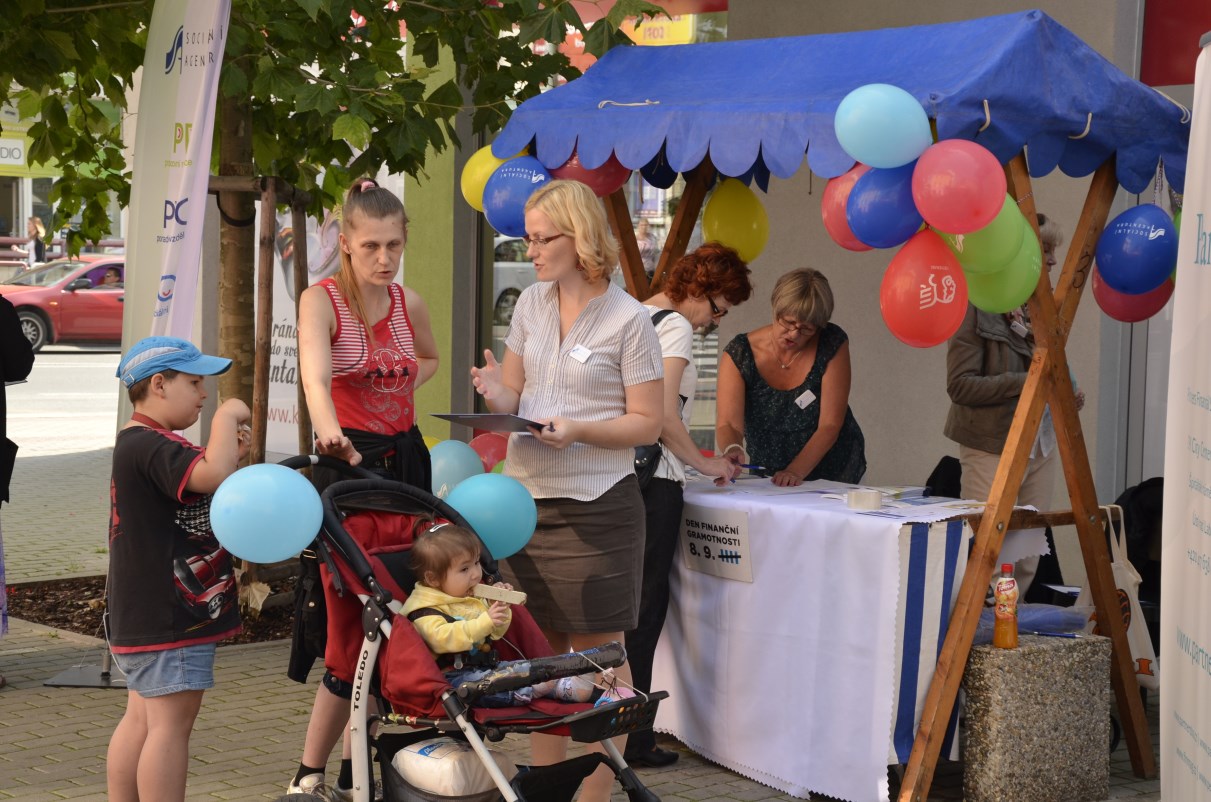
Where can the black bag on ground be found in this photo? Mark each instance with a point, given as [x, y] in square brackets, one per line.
[647, 458]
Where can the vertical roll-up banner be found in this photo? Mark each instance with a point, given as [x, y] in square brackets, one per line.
[172, 154]
[1185, 640]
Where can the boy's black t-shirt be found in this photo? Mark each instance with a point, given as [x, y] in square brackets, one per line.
[170, 582]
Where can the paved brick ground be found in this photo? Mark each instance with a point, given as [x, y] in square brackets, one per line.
[249, 735]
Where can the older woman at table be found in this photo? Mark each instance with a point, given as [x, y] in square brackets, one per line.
[583, 359]
[783, 391]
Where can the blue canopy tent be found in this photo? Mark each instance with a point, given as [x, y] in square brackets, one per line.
[1021, 85]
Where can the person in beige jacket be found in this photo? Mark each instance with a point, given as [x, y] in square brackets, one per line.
[986, 364]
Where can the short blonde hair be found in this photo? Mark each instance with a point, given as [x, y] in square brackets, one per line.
[576, 212]
[803, 295]
[1050, 233]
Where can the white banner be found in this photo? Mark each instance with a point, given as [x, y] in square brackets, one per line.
[1185, 714]
[172, 152]
[715, 541]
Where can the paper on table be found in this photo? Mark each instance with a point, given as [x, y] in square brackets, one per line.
[492, 421]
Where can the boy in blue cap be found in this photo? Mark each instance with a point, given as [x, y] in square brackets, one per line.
[172, 593]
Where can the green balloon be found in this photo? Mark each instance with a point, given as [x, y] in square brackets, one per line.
[990, 248]
[1008, 288]
[499, 467]
[1177, 220]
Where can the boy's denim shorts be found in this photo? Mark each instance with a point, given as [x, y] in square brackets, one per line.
[188, 668]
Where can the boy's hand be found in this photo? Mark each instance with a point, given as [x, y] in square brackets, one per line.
[237, 410]
[498, 612]
[243, 437]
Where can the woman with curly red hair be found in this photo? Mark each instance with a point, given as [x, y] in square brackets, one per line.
[701, 288]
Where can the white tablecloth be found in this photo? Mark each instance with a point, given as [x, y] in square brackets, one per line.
[810, 678]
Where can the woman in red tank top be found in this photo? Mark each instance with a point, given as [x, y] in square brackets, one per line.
[365, 345]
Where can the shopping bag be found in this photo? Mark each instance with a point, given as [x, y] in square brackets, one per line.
[1127, 583]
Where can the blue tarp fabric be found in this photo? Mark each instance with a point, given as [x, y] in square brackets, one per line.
[755, 107]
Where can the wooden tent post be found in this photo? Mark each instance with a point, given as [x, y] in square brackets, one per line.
[1046, 380]
[697, 182]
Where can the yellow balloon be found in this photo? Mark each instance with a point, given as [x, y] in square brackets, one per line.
[476, 171]
[735, 217]
[431, 441]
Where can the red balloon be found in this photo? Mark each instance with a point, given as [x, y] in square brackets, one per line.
[1127, 308]
[832, 209]
[923, 297]
[491, 447]
[602, 180]
[958, 186]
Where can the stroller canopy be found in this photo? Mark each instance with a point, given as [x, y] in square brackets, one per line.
[755, 107]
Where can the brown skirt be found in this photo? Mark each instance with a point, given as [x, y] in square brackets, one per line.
[582, 568]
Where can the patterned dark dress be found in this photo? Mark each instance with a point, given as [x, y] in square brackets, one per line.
[776, 429]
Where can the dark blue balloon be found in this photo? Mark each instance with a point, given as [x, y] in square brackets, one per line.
[1138, 249]
[880, 210]
[507, 190]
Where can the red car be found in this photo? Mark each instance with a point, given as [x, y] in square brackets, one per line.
[70, 300]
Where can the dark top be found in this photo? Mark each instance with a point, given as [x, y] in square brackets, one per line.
[776, 429]
[16, 361]
[170, 582]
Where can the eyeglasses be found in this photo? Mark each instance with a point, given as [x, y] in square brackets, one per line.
[797, 328]
[716, 312]
[540, 241]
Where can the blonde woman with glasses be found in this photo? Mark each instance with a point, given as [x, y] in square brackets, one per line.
[783, 391]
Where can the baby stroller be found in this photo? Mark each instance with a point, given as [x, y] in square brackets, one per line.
[394, 666]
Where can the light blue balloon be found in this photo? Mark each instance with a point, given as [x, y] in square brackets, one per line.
[265, 513]
[500, 510]
[882, 125]
[453, 461]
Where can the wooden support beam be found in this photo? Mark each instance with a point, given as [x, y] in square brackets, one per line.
[264, 320]
[697, 182]
[1047, 379]
[298, 225]
[632, 263]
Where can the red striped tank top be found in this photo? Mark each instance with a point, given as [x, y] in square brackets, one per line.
[372, 388]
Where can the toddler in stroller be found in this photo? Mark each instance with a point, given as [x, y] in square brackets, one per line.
[459, 627]
[366, 544]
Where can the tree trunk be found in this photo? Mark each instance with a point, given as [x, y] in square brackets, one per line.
[237, 254]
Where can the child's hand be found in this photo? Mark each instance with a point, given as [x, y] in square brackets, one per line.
[499, 613]
[243, 437]
[236, 409]
[503, 585]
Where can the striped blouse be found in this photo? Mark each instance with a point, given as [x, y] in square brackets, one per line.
[611, 346]
[372, 390]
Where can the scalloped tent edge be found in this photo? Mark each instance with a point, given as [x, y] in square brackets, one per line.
[760, 107]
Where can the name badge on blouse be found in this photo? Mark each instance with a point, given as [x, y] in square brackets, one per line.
[805, 399]
[580, 354]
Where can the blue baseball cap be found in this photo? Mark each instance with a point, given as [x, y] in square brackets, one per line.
[152, 355]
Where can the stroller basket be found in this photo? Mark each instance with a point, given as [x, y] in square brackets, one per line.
[620, 717]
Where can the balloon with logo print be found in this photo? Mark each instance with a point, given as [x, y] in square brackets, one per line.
[1138, 249]
[508, 189]
[923, 296]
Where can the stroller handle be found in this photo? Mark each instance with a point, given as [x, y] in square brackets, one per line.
[324, 461]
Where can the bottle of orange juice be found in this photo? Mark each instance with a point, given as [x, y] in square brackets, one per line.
[1005, 609]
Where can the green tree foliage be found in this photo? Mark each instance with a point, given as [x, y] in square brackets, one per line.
[327, 99]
